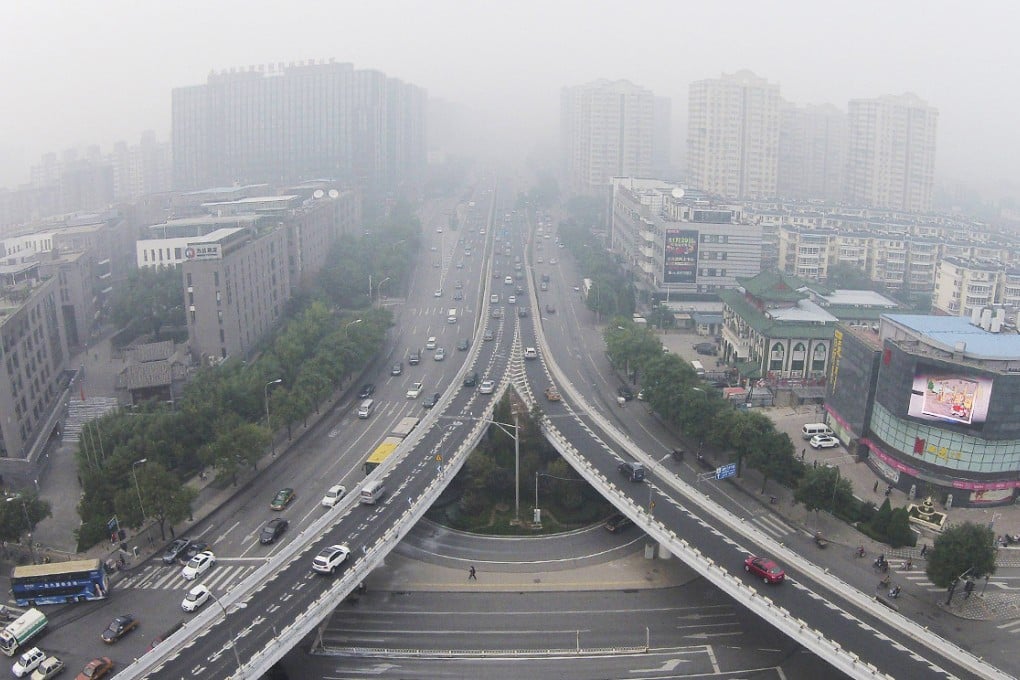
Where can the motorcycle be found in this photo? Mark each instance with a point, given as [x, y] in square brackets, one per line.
[895, 592]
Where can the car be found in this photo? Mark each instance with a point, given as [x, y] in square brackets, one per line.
[625, 392]
[487, 387]
[431, 401]
[50, 667]
[282, 499]
[334, 495]
[192, 550]
[823, 441]
[509, 280]
[433, 249]
[471, 380]
[494, 299]
[764, 568]
[458, 295]
[463, 345]
[437, 264]
[530, 353]
[415, 390]
[641, 395]
[549, 309]
[632, 470]
[198, 565]
[95, 669]
[366, 391]
[522, 312]
[512, 300]
[543, 286]
[552, 260]
[175, 550]
[467, 253]
[328, 559]
[273, 529]
[460, 264]
[438, 292]
[705, 348]
[459, 285]
[552, 394]
[439, 230]
[118, 628]
[397, 368]
[431, 343]
[414, 357]
[28, 662]
[440, 354]
[540, 260]
[618, 522]
[196, 597]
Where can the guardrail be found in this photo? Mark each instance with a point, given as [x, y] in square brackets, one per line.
[779, 617]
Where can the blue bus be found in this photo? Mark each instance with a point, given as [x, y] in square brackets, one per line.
[59, 583]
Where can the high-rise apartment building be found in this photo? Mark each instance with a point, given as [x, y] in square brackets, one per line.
[812, 152]
[607, 130]
[891, 153]
[281, 124]
[733, 136]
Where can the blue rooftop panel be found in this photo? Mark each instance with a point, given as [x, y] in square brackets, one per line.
[949, 330]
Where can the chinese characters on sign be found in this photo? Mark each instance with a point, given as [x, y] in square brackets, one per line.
[680, 262]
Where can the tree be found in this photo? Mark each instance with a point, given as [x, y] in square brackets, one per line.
[151, 298]
[963, 549]
[898, 532]
[165, 498]
[818, 486]
[20, 513]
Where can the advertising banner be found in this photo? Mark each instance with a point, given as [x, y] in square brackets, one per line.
[680, 264]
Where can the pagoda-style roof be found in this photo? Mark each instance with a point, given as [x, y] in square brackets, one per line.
[776, 286]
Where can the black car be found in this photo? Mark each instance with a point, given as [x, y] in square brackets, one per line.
[192, 550]
[471, 380]
[366, 391]
[174, 550]
[397, 369]
[705, 348]
[431, 401]
[522, 312]
[118, 628]
[618, 522]
[625, 392]
[463, 345]
[272, 530]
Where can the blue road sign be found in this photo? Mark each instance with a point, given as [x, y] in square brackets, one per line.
[725, 471]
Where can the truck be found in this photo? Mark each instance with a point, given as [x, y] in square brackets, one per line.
[21, 630]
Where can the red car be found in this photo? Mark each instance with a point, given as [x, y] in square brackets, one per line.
[95, 669]
[764, 568]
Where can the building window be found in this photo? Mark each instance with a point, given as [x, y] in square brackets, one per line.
[818, 359]
[776, 357]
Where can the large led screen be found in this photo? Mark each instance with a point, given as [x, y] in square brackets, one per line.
[949, 396]
[680, 263]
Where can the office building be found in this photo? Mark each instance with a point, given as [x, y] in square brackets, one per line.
[281, 124]
[607, 130]
[891, 153]
[733, 136]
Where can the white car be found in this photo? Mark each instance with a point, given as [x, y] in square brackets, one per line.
[487, 387]
[431, 343]
[328, 559]
[415, 390]
[512, 300]
[334, 495]
[552, 260]
[28, 662]
[198, 565]
[823, 441]
[195, 598]
[494, 298]
[438, 293]
[509, 281]
[50, 668]
[530, 353]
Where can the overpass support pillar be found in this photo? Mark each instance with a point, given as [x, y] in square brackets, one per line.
[650, 551]
[664, 553]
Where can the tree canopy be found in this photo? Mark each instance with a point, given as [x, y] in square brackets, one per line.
[962, 550]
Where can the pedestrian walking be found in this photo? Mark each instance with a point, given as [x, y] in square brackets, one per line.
[875, 488]
[924, 549]
[803, 453]
[471, 574]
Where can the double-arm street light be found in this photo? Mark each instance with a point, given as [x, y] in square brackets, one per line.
[138, 489]
[517, 455]
[28, 522]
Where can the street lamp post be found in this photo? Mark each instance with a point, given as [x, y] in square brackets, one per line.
[517, 459]
[233, 638]
[138, 489]
[28, 522]
[378, 289]
[348, 326]
[265, 401]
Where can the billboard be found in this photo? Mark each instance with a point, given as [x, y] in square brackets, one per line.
[680, 262]
[949, 396]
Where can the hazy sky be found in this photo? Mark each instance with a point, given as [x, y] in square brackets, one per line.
[76, 73]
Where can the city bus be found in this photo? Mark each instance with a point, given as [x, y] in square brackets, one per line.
[404, 427]
[381, 453]
[59, 583]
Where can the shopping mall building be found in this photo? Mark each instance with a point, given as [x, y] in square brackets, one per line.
[914, 397]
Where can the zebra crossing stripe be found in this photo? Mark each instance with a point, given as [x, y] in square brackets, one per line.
[1009, 624]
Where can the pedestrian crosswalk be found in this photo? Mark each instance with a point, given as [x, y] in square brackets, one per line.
[163, 577]
[773, 525]
[919, 579]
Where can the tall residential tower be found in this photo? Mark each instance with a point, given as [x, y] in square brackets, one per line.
[733, 136]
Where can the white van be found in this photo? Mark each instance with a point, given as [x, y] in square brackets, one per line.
[451, 315]
[699, 370]
[811, 429]
[372, 492]
[365, 409]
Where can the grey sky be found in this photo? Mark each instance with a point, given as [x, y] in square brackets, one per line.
[97, 72]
